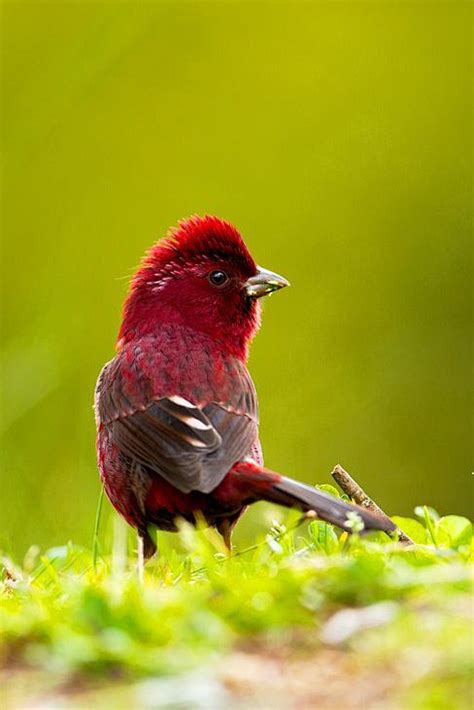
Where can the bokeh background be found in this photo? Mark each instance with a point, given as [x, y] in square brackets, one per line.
[337, 136]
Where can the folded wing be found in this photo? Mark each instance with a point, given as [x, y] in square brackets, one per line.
[192, 445]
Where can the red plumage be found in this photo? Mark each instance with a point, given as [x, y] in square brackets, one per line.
[176, 409]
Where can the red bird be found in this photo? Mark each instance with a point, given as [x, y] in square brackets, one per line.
[176, 409]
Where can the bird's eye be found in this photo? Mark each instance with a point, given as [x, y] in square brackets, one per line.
[218, 278]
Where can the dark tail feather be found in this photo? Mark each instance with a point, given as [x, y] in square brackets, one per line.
[293, 494]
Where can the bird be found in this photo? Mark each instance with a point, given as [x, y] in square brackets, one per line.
[176, 408]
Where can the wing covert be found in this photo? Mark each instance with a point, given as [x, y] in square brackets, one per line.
[191, 444]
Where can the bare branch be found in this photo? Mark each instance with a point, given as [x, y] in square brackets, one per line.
[354, 491]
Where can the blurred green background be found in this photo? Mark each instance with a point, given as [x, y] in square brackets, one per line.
[337, 136]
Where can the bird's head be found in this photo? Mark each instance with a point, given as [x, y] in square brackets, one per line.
[200, 275]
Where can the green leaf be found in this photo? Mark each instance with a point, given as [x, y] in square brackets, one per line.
[323, 536]
[458, 529]
[327, 488]
[412, 528]
[430, 522]
[422, 510]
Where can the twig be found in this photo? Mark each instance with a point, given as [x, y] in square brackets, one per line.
[353, 490]
[95, 541]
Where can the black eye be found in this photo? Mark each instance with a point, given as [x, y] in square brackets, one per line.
[218, 278]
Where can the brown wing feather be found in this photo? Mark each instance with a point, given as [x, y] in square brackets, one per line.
[160, 425]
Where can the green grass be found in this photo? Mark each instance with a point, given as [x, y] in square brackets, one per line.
[400, 613]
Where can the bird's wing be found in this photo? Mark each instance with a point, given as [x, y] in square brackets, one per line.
[192, 436]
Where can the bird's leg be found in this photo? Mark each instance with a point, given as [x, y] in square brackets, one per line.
[149, 542]
[225, 529]
[146, 549]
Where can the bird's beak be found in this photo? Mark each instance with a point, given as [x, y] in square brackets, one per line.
[263, 283]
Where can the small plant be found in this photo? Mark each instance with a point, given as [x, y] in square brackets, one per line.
[70, 615]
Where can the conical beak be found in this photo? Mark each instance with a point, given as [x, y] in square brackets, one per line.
[263, 283]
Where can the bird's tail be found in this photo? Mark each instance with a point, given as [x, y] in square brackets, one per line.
[293, 494]
[262, 484]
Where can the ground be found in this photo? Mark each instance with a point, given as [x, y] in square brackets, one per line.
[305, 618]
